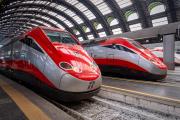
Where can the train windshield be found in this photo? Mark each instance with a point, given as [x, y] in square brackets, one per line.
[138, 45]
[62, 37]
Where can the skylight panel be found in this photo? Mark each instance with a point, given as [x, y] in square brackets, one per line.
[42, 23]
[45, 17]
[114, 22]
[68, 23]
[80, 38]
[96, 2]
[44, 2]
[45, 10]
[61, 17]
[29, 8]
[69, 12]
[77, 33]
[81, 7]
[158, 9]
[124, 3]
[74, 16]
[99, 26]
[78, 19]
[39, 21]
[90, 37]
[117, 31]
[102, 6]
[60, 26]
[133, 16]
[53, 4]
[9, 10]
[60, 7]
[89, 14]
[34, 24]
[160, 21]
[87, 30]
[85, 11]
[13, 3]
[52, 13]
[72, 2]
[28, 1]
[52, 21]
[102, 34]
[39, 2]
[135, 27]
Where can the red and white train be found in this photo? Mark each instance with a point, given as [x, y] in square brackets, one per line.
[158, 51]
[54, 61]
[126, 58]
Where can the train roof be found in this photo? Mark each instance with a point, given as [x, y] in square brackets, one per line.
[108, 40]
[30, 30]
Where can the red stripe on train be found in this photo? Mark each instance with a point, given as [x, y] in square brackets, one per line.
[117, 62]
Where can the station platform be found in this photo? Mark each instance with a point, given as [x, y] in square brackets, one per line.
[167, 90]
[20, 103]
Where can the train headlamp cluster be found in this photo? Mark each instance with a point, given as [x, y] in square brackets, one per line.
[68, 66]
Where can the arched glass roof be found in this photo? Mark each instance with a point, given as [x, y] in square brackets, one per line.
[87, 19]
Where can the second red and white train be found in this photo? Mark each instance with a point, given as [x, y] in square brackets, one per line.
[127, 58]
[158, 51]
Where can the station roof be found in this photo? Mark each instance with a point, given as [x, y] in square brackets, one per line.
[87, 19]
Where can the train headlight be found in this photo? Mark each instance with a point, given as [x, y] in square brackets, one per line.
[66, 66]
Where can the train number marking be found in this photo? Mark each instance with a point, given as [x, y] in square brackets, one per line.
[91, 84]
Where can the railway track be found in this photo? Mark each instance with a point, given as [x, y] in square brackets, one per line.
[99, 108]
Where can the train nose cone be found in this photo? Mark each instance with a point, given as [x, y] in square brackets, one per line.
[82, 64]
[73, 84]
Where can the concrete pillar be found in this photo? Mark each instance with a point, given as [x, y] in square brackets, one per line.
[168, 47]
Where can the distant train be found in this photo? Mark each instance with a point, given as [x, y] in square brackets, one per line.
[127, 58]
[54, 61]
[158, 51]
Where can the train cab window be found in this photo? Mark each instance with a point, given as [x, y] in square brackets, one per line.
[110, 46]
[119, 47]
[128, 50]
[138, 45]
[31, 43]
[62, 37]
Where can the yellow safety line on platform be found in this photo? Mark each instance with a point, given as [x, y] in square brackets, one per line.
[31, 111]
[145, 82]
[141, 93]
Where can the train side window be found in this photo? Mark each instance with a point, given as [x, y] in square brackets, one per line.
[119, 47]
[110, 46]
